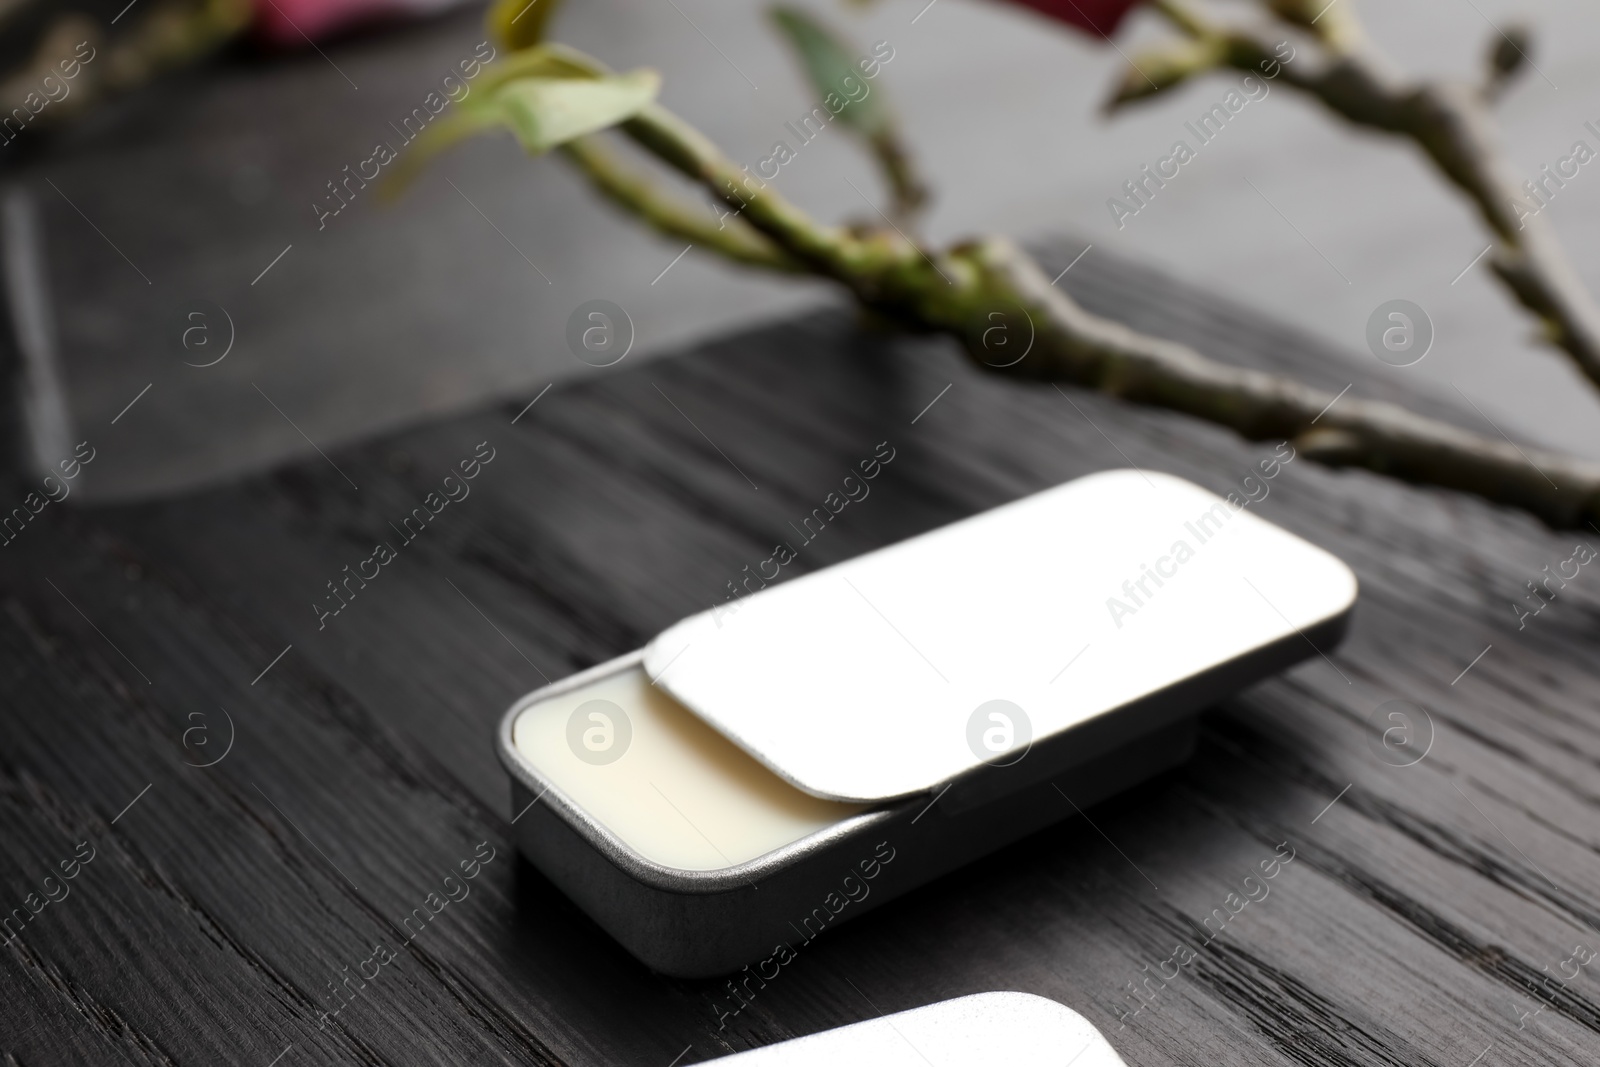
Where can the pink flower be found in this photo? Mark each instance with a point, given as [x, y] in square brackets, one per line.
[293, 22]
[1096, 16]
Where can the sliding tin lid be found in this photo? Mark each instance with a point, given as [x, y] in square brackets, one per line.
[876, 678]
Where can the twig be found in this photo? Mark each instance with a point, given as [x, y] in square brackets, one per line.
[827, 60]
[1451, 123]
[908, 191]
[1074, 345]
[163, 36]
[734, 239]
[863, 260]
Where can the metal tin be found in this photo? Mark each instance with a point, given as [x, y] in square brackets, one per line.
[703, 923]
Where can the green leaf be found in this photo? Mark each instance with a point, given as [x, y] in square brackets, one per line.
[542, 112]
[519, 24]
[547, 112]
[831, 70]
[542, 61]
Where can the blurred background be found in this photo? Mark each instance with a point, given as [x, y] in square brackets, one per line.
[201, 186]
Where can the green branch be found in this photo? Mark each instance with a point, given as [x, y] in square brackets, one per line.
[731, 238]
[975, 290]
[998, 303]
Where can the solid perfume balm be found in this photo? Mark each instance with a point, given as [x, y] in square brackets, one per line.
[666, 784]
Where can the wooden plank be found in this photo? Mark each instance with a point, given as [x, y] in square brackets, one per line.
[1416, 920]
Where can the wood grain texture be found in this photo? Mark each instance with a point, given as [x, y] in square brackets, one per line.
[1420, 915]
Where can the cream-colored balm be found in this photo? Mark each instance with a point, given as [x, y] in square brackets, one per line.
[670, 787]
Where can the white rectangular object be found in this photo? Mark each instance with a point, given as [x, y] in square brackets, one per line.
[857, 682]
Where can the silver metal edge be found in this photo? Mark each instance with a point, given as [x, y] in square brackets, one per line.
[618, 852]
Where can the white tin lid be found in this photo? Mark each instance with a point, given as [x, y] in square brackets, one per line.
[863, 681]
[1017, 1029]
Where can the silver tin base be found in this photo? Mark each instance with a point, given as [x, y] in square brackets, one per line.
[700, 924]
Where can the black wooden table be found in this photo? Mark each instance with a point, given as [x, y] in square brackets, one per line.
[264, 791]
